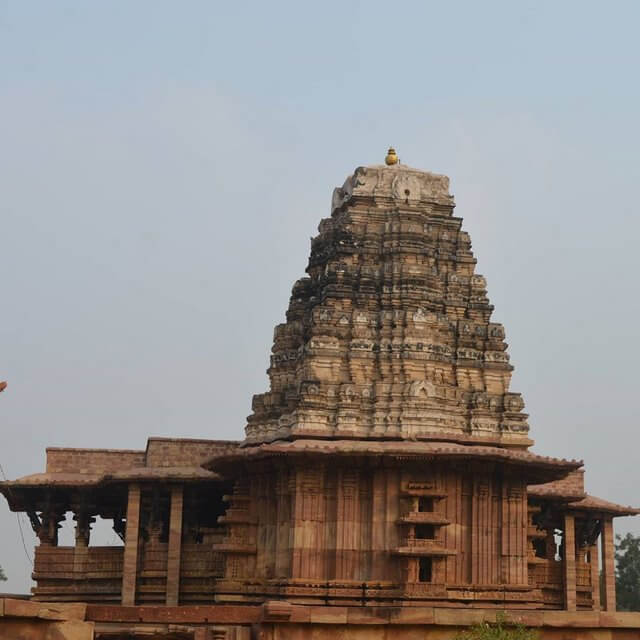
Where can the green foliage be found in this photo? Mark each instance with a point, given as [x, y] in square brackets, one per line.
[628, 572]
[502, 629]
[2, 576]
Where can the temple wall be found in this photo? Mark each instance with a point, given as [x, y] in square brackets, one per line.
[160, 452]
[347, 532]
[179, 452]
[95, 461]
[352, 524]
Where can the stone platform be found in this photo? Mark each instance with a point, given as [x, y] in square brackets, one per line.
[280, 620]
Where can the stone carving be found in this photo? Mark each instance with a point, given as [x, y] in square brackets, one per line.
[406, 187]
[411, 301]
[422, 388]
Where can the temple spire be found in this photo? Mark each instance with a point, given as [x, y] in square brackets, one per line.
[390, 335]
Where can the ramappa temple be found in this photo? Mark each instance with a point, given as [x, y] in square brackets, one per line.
[385, 484]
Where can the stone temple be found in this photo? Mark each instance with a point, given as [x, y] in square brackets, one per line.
[385, 485]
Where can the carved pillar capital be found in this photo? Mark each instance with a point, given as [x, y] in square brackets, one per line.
[46, 525]
[83, 522]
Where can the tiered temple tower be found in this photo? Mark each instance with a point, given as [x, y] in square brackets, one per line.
[390, 335]
[388, 464]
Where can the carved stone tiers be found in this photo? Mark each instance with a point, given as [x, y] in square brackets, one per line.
[389, 336]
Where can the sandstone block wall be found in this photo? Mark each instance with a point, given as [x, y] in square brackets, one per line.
[169, 452]
[95, 461]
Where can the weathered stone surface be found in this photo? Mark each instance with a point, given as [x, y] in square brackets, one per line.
[24, 620]
[13, 629]
[390, 335]
[20, 608]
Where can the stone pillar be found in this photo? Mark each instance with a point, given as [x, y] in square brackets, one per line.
[175, 545]
[283, 526]
[83, 534]
[608, 565]
[413, 570]
[308, 525]
[47, 532]
[378, 530]
[569, 563]
[83, 527]
[130, 564]
[595, 576]
[347, 525]
[483, 562]
[513, 533]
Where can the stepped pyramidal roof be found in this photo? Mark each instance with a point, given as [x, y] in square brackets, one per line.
[390, 334]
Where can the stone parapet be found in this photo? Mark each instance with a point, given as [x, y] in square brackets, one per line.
[93, 461]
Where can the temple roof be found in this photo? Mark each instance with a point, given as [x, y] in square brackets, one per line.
[591, 503]
[68, 479]
[570, 492]
[163, 460]
[32, 489]
[159, 453]
[545, 468]
[565, 489]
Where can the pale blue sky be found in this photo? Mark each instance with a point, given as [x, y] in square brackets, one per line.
[163, 165]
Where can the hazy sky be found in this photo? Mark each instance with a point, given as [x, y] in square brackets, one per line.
[163, 165]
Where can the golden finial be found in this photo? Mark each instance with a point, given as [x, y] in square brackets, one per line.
[392, 157]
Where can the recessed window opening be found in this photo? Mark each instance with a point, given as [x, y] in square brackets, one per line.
[425, 532]
[425, 504]
[424, 570]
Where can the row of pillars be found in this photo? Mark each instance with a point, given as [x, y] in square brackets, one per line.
[608, 566]
[132, 546]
